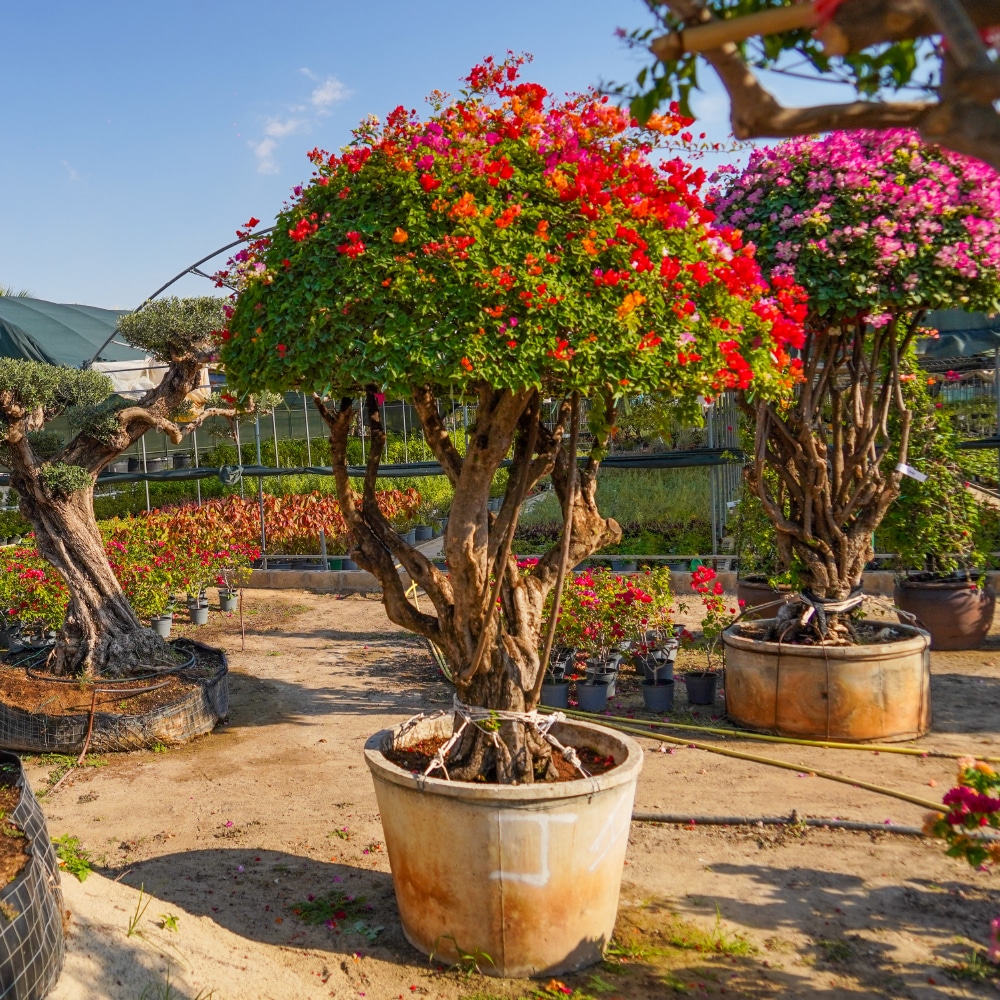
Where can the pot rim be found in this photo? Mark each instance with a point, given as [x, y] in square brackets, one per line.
[506, 795]
[951, 583]
[918, 639]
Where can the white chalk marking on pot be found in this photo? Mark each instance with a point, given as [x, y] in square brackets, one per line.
[541, 876]
[615, 826]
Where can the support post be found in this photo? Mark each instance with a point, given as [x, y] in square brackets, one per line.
[305, 413]
[260, 489]
[145, 482]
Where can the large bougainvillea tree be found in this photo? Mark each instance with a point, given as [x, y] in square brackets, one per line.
[878, 229]
[509, 249]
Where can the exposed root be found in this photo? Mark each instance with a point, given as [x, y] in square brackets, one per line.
[138, 652]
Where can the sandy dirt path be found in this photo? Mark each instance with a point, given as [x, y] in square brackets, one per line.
[228, 833]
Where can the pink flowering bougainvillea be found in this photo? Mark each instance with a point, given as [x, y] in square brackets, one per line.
[510, 247]
[878, 229]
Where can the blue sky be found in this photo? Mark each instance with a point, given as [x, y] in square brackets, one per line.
[138, 136]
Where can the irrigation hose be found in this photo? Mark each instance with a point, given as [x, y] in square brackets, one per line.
[738, 755]
[678, 819]
[744, 734]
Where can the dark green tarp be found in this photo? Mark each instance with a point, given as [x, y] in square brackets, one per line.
[68, 335]
[961, 334]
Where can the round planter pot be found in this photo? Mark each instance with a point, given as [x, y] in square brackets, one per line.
[32, 945]
[624, 566]
[755, 592]
[424, 532]
[658, 697]
[701, 688]
[134, 465]
[556, 695]
[181, 460]
[593, 697]
[956, 614]
[198, 616]
[161, 625]
[410, 537]
[877, 692]
[526, 874]
[228, 601]
[156, 464]
[351, 566]
[118, 467]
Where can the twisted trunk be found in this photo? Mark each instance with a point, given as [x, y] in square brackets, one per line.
[101, 634]
[492, 648]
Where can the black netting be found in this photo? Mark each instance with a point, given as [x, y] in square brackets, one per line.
[31, 907]
[194, 714]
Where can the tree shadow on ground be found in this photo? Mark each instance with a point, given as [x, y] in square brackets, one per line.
[855, 928]
[252, 892]
[964, 703]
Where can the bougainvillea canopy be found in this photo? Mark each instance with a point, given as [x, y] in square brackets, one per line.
[872, 223]
[508, 239]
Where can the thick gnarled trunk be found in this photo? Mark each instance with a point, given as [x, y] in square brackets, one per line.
[492, 647]
[101, 634]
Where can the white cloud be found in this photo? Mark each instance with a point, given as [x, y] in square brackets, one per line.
[264, 151]
[297, 118]
[331, 91]
[278, 129]
[71, 170]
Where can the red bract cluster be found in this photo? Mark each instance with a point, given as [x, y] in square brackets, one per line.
[510, 208]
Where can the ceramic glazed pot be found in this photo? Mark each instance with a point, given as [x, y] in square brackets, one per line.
[755, 591]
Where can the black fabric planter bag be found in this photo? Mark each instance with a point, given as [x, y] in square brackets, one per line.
[32, 947]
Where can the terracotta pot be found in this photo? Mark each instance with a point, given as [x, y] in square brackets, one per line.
[853, 694]
[527, 874]
[754, 592]
[956, 613]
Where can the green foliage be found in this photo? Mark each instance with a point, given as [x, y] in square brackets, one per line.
[45, 443]
[878, 70]
[174, 328]
[98, 420]
[61, 479]
[34, 385]
[334, 906]
[483, 258]
[12, 523]
[932, 525]
[72, 857]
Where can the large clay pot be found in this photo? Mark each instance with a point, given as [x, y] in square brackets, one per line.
[753, 592]
[854, 694]
[957, 613]
[526, 874]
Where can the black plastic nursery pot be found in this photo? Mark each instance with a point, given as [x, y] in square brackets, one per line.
[32, 946]
[701, 687]
[658, 696]
[592, 697]
[556, 695]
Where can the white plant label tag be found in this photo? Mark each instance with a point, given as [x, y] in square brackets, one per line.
[908, 470]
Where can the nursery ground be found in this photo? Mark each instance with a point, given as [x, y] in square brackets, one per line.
[218, 841]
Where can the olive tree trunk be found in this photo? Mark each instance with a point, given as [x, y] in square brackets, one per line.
[492, 647]
[101, 634]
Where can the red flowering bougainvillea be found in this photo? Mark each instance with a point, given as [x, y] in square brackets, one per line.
[507, 248]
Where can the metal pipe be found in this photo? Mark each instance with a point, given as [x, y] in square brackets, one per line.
[194, 441]
[260, 488]
[145, 470]
[305, 413]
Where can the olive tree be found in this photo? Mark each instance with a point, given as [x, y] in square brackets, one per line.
[54, 482]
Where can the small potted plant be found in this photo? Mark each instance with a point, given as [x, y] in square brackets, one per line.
[719, 615]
